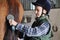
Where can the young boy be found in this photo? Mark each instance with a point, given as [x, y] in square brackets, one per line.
[40, 29]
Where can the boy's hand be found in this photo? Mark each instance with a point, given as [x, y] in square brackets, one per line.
[12, 22]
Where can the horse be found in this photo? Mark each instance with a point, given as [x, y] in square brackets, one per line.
[7, 7]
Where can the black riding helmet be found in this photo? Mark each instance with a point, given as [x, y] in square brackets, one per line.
[44, 3]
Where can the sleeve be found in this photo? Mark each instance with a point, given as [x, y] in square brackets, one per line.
[37, 31]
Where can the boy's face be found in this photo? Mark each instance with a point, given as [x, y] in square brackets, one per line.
[38, 11]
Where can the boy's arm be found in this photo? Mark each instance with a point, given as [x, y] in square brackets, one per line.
[37, 31]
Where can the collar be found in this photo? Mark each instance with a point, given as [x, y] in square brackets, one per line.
[40, 18]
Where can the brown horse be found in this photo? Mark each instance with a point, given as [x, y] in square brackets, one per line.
[13, 7]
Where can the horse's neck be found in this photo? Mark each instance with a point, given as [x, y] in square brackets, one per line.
[14, 10]
[3, 13]
[3, 3]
